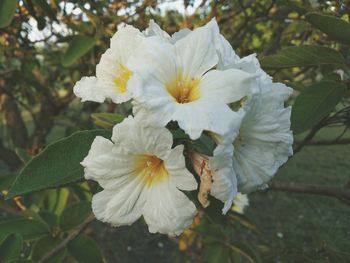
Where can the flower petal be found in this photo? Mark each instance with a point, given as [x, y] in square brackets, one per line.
[124, 42]
[202, 115]
[168, 210]
[196, 53]
[227, 86]
[89, 89]
[224, 185]
[155, 30]
[180, 176]
[265, 142]
[121, 206]
[157, 141]
[154, 59]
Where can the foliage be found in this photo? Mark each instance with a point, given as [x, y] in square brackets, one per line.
[304, 46]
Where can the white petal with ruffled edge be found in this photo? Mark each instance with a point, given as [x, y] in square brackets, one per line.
[141, 175]
[265, 140]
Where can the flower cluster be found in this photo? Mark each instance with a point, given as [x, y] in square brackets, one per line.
[192, 82]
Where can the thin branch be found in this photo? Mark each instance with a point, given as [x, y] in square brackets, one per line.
[69, 238]
[308, 137]
[321, 143]
[339, 192]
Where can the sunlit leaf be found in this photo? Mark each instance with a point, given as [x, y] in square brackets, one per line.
[57, 164]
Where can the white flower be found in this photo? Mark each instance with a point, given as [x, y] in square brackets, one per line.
[180, 84]
[217, 176]
[265, 140]
[240, 203]
[113, 72]
[141, 175]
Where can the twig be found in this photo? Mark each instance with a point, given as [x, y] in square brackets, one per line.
[321, 143]
[340, 192]
[69, 238]
[308, 137]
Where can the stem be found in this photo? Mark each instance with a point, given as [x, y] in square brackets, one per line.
[69, 238]
[340, 192]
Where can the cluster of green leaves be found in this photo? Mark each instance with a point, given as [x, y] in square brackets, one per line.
[49, 221]
[318, 100]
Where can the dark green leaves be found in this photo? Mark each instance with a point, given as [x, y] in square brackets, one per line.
[46, 8]
[7, 11]
[106, 120]
[11, 247]
[44, 246]
[78, 47]
[332, 26]
[301, 57]
[315, 103]
[74, 215]
[85, 250]
[57, 164]
[27, 228]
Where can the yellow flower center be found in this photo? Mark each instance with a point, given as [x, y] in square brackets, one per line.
[151, 169]
[184, 89]
[121, 78]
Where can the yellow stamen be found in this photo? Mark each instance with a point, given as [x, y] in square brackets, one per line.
[121, 79]
[184, 89]
[151, 169]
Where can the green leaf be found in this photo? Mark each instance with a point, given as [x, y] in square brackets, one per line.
[50, 218]
[46, 8]
[82, 191]
[245, 251]
[57, 164]
[78, 47]
[90, 253]
[215, 253]
[205, 145]
[302, 56]
[11, 247]
[7, 11]
[57, 200]
[106, 120]
[332, 26]
[315, 103]
[46, 244]
[28, 228]
[74, 215]
[6, 181]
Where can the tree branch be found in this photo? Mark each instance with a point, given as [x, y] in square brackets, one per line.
[340, 192]
[69, 238]
[321, 143]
